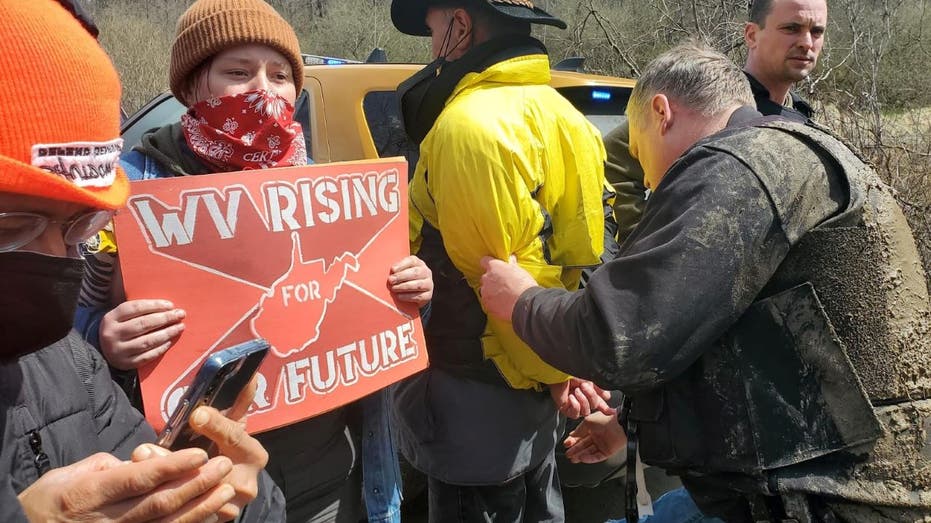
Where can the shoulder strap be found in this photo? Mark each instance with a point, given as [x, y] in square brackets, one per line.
[858, 175]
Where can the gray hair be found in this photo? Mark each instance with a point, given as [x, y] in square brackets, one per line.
[695, 76]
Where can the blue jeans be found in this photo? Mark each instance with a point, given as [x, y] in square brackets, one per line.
[381, 476]
[675, 506]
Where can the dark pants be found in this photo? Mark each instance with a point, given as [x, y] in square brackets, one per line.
[533, 497]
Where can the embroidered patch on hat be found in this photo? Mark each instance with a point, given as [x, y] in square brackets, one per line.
[85, 164]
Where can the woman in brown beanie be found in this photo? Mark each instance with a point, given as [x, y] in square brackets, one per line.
[72, 448]
[236, 65]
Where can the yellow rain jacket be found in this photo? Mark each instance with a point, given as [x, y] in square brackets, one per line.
[511, 168]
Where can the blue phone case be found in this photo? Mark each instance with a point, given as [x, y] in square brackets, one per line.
[219, 381]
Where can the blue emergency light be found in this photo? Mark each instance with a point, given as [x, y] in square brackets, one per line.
[601, 96]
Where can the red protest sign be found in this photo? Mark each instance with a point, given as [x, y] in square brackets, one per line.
[298, 256]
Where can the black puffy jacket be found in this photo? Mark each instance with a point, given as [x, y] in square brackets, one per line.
[58, 406]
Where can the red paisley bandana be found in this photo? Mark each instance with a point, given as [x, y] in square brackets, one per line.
[253, 130]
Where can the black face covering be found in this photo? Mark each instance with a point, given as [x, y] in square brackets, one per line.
[423, 96]
[38, 297]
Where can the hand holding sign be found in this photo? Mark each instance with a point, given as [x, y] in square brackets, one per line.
[298, 256]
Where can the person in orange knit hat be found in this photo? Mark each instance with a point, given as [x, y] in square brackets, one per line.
[227, 54]
[73, 448]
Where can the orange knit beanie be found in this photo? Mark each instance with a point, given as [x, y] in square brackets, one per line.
[59, 109]
[211, 26]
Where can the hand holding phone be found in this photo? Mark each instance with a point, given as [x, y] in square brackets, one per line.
[221, 378]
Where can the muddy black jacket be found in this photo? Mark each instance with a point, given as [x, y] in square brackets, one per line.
[739, 319]
[58, 406]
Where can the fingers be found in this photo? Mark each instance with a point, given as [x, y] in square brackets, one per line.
[206, 508]
[595, 397]
[408, 278]
[595, 391]
[418, 298]
[585, 451]
[136, 352]
[501, 285]
[232, 440]
[579, 432]
[585, 407]
[488, 262]
[195, 497]
[411, 281]
[139, 478]
[243, 401]
[410, 263]
[245, 483]
[573, 408]
[414, 283]
[135, 308]
[139, 331]
[136, 349]
[229, 436]
[572, 399]
[151, 322]
[148, 451]
[407, 263]
[98, 462]
[560, 394]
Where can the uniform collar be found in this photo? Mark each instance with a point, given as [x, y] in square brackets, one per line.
[799, 109]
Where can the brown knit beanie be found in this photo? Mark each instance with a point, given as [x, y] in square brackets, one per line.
[211, 26]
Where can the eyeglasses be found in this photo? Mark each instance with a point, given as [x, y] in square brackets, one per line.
[20, 228]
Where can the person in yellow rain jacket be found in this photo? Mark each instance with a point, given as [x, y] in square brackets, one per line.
[507, 167]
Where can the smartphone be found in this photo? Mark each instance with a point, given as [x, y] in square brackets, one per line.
[221, 378]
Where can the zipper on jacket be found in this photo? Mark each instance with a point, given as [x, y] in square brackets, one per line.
[41, 461]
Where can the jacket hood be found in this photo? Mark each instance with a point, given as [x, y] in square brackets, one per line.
[167, 146]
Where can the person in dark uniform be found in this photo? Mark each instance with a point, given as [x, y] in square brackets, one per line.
[784, 39]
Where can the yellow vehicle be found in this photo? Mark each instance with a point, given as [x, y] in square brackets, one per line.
[349, 110]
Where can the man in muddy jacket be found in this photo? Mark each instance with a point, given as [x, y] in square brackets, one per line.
[768, 316]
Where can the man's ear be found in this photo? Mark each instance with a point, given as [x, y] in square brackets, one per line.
[463, 28]
[750, 30]
[661, 113]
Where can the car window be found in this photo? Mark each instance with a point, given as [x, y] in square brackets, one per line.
[162, 110]
[384, 121]
[165, 109]
[603, 106]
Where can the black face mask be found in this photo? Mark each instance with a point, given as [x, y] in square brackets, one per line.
[423, 96]
[37, 301]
